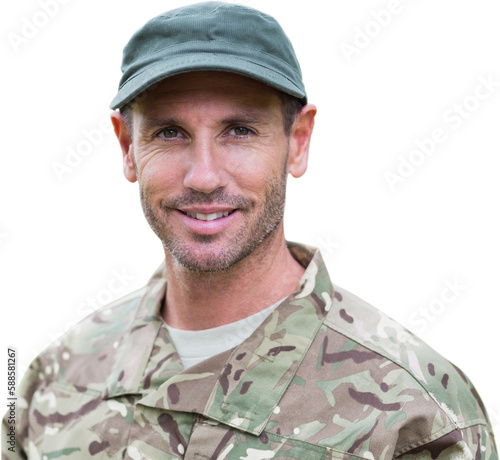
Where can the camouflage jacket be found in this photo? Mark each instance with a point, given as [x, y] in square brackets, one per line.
[326, 376]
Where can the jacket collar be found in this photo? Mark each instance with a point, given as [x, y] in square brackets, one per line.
[129, 371]
[240, 387]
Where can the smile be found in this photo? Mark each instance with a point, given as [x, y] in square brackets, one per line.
[212, 216]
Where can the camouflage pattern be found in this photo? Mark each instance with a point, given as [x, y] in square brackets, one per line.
[326, 376]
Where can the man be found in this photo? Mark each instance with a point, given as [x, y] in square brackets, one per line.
[239, 347]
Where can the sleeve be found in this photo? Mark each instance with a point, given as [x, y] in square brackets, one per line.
[15, 427]
[475, 443]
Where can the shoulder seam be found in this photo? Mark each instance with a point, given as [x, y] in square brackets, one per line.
[401, 365]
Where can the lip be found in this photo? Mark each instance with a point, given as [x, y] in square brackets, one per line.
[207, 227]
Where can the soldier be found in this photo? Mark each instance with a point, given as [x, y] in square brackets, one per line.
[239, 347]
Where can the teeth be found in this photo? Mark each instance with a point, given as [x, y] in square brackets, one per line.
[213, 216]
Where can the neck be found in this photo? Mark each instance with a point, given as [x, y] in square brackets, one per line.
[197, 301]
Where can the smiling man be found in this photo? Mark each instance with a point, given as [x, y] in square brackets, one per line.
[240, 346]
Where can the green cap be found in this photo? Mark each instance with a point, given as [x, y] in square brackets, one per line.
[209, 36]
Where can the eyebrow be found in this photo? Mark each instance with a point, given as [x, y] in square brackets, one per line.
[245, 116]
[150, 124]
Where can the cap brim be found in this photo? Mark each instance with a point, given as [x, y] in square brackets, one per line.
[158, 71]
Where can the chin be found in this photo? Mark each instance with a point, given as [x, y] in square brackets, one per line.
[204, 264]
[204, 257]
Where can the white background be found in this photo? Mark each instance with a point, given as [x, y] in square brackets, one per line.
[64, 238]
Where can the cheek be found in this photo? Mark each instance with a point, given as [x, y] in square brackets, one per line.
[253, 180]
[257, 166]
[158, 175]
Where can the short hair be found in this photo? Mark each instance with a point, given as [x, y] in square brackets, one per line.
[290, 108]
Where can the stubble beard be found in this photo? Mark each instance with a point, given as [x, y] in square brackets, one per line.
[211, 257]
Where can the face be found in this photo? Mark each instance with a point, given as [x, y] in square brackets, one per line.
[211, 157]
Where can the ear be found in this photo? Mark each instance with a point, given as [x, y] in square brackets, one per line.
[300, 137]
[125, 140]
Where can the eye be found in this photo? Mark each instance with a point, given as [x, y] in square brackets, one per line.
[169, 133]
[240, 131]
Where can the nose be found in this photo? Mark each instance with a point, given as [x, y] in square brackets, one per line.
[204, 173]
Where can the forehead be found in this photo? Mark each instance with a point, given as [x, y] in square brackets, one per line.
[197, 90]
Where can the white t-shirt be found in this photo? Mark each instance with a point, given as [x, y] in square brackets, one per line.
[196, 346]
